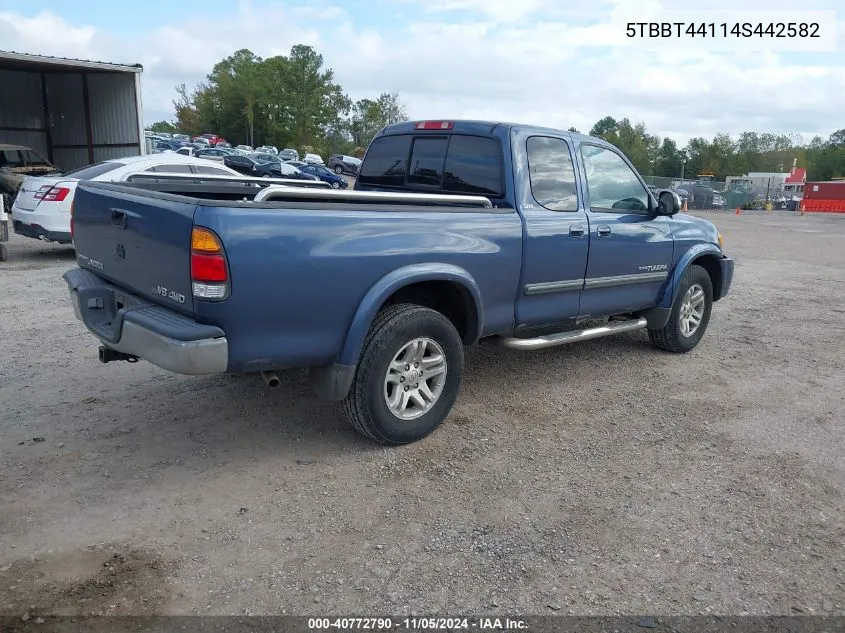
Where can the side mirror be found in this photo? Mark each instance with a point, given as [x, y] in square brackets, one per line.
[669, 203]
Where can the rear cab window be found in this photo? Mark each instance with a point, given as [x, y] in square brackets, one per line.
[454, 164]
[92, 171]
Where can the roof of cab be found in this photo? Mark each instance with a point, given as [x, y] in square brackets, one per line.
[483, 127]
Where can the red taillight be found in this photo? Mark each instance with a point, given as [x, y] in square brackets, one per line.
[208, 268]
[209, 274]
[51, 193]
[435, 125]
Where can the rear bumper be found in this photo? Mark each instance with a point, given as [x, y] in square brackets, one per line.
[38, 232]
[727, 266]
[48, 218]
[126, 323]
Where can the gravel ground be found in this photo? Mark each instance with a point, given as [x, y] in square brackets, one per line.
[602, 478]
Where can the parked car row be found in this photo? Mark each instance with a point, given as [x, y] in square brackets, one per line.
[41, 209]
[338, 163]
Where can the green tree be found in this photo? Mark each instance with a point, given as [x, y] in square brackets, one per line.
[637, 144]
[164, 126]
[187, 117]
[284, 101]
[317, 104]
[605, 128]
[669, 159]
[368, 116]
[240, 86]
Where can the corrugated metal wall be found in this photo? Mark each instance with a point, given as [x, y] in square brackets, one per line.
[66, 159]
[105, 153]
[21, 107]
[114, 114]
[66, 108]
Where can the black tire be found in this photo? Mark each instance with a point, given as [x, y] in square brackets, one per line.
[335, 185]
[3, 254]
[8, 201]
[670, 337]
[338, 170]
[365, 405]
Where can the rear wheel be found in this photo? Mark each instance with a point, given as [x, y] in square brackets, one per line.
[690, 313]
[408, 376]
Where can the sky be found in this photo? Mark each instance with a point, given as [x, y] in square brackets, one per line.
[557, 63]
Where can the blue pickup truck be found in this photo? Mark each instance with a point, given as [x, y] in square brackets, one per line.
[455, 233]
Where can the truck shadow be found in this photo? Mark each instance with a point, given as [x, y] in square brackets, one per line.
[139, 430]
[33, 253]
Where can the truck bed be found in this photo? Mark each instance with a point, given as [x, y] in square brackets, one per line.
[298, 269]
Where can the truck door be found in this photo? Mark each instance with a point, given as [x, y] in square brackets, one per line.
[556, 232]
[631, 248]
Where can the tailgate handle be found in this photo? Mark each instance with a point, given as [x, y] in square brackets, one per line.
[118, 218]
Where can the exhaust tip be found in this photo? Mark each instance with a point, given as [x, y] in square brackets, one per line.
[271, 379]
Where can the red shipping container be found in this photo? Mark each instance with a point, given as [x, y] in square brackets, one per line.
[832, 190]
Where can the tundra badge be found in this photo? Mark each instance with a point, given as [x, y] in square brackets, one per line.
[93, 263]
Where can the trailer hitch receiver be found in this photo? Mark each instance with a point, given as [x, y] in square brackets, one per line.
[108, 355]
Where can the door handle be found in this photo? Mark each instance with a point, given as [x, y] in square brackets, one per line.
[603, 231]
[576, 230]
[118, 218]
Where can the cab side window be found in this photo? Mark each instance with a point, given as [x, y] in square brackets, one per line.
[612, 184]
[551, 173]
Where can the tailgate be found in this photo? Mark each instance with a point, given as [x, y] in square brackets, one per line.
[138, 240]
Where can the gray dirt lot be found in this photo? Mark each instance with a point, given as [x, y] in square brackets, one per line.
[601, 478]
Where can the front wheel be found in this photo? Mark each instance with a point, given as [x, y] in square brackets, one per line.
[335, 185]
[338, 170]
[690, 313]
[408, 377]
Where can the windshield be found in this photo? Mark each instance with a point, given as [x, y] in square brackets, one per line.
[21, 158]
[31, 158]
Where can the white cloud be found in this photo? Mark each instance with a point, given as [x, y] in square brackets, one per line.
[549, 62]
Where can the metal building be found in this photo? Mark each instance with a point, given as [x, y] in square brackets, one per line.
[71, 111]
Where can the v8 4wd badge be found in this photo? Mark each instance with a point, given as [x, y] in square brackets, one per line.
[170, 294]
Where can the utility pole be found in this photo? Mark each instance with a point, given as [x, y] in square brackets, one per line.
[683, 163]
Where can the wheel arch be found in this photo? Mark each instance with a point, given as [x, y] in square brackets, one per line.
[443, 287]
[705, 255]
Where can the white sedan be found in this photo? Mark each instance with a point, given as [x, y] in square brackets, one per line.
[41, 209]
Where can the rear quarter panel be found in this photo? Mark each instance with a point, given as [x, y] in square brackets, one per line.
[299, 273]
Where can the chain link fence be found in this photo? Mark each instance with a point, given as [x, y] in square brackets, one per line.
[737, 192]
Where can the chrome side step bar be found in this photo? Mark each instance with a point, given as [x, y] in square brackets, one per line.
[574, 336]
